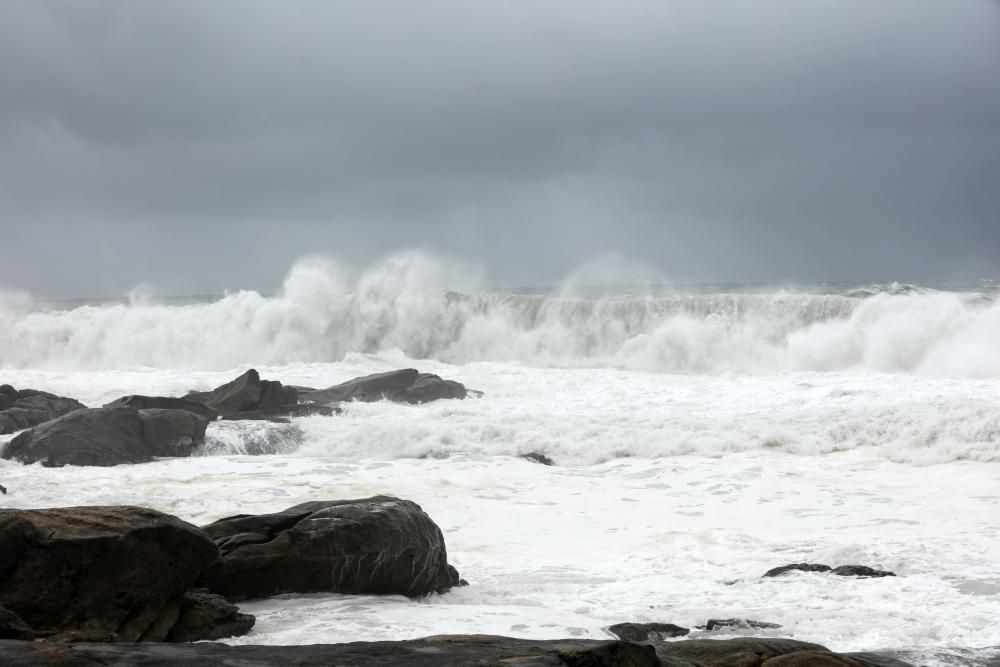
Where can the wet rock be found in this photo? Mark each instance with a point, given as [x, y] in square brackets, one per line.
[443, 650]
[3, 490]
[107, 437]
[29, 407]
[138, 402]
[380, 545]
[843, 570]
[281, 416]
[861, 571]
[404, 386]
[641, 632]
[797, 567]
[738, 623]
[99, 573]
[536, 457]
[205, 616]
[240, 395]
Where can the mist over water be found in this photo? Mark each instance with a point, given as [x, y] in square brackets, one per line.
[607, 314]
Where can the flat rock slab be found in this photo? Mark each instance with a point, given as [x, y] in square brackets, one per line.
[453, 650]
[406, 385]
[861, 571]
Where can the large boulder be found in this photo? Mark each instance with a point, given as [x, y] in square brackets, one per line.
[101, 573]
[139, 402]
[380, 545]
[108, 436]
[28, 407]
[405, 386]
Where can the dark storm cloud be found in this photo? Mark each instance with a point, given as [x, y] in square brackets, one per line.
[199, 145]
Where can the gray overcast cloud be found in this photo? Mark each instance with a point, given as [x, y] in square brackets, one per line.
[206, 145]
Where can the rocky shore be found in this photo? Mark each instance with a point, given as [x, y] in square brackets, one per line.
[122, 585]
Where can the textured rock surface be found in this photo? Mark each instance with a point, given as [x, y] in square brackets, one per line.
[204, 615]
[379, 545]
[843, 570]
[99, 573]
[455, 650]
[29, 407]
[138, 402]
[108, 436]
[406, 386]
[641, 632]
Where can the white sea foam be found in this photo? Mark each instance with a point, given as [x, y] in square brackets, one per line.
[432, 309]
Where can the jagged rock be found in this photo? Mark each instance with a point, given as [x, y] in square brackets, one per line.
[108, 436]
[204, 615]
[843, 570]
[138, 402]
[3, 490]
[99, 573]
[536, 457]
[481, 650]
[641, 632]
[29, 407]
[405, 386]
[240, 395]
[861, 571]
[380, 545]
[739, 623]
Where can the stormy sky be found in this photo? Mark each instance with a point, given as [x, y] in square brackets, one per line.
[201, 146]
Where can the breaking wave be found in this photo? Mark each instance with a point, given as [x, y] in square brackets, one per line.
[428, 308]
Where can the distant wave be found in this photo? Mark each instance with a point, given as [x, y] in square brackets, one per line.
[427, 308]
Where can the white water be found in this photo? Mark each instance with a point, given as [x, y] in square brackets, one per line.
[823, 428]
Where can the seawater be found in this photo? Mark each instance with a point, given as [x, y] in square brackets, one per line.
[701, 436]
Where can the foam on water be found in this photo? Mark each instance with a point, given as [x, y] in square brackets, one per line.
[432, 309]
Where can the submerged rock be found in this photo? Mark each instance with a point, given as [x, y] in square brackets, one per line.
[739, 623]
[204, 615]
[108, 436]
[29, 407]
[536, 457]
[404, 386]
[107, 574]
[641, 632]
[843, 570]
[380, 545]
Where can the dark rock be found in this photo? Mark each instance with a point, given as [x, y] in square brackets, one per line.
[536, 457]
[722, 623]
[239, 395]
[641, 632]
[13, 626]
[290, 396]
[367, 388]
[29, 407]
[749, 652]
[378, 545]
[430, 652]
[204, 615]
[803, 567]
[429, 387]
[3, 489]
[485, 651]
[107, 437]
[272, 396]
[282, 414]
[861, 571]
[138, 402]
[99, 573]
[405, 386]
[843, 570]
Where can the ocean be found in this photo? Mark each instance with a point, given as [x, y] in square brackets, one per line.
[701, 435]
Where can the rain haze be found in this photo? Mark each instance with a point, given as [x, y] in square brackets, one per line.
[204, 146]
